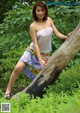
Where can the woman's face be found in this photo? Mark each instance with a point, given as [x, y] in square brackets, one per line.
[40, 13]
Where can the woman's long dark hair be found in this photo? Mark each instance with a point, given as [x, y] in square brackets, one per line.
[43, 5]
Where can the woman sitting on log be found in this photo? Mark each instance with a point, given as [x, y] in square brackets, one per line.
[38, 53]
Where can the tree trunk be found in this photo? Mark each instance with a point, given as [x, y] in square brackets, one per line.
[57, 62]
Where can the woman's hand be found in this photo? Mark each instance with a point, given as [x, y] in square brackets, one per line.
[69, 34]
[65, 37]
[42, 62]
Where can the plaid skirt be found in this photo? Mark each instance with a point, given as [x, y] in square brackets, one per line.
[33, 65]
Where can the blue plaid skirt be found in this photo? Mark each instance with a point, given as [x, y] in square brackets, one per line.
[33, 65]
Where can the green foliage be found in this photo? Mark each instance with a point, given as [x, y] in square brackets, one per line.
[48, 104]
[14, 31]
[15, 36]
[65, 17]
[63, 96]
[7, 64]
[5, 5]
[67, 82]
[19, 19]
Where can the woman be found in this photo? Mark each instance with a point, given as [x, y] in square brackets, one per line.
[38, 53]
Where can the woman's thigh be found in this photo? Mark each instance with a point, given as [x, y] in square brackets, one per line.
[20, 65]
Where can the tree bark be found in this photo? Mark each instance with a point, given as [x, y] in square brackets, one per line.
[55, 65]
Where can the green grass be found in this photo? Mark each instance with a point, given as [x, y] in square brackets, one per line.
[61, 97]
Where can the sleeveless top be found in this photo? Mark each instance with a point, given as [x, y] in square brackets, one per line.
[44, 40]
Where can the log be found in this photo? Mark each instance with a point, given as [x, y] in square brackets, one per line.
[49, 74]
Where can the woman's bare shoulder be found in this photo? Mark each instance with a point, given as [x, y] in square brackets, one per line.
[32, 26]
[50, 19]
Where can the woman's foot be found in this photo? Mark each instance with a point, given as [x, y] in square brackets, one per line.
[7, 95]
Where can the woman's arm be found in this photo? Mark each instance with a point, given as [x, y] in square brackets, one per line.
[36, 47]
[57, 33]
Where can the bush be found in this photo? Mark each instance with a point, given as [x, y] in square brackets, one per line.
[68, 81]
[61, 97]
[49, 104]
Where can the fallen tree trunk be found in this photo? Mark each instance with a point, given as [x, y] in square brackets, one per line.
[57, 62]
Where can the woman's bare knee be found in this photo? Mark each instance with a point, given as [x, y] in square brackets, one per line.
[19, 66]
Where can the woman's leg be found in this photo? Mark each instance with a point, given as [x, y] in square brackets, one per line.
[18, 68]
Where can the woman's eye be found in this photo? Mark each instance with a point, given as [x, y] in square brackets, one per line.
[38, 10]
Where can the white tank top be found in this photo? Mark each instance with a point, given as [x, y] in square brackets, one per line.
[44, 40]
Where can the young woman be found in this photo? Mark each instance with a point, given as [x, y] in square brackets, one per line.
[38, 53]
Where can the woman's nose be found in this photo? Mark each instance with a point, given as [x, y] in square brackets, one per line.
[40, 12]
